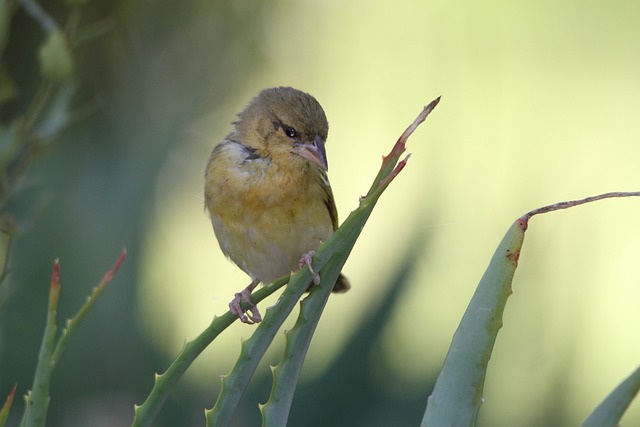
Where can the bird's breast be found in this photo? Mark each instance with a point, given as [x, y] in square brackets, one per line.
[265, 216]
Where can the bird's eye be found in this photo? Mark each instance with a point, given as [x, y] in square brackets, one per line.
[290, 132]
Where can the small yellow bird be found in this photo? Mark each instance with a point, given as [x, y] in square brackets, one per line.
[267, 191]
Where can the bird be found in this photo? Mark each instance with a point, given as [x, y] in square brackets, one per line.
[267, 192]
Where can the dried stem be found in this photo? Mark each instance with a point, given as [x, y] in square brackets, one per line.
[572, 203]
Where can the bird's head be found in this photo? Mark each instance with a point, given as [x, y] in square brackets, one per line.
[282, 121]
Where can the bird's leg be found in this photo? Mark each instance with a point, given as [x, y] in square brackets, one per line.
[306, 260]
[245, 296]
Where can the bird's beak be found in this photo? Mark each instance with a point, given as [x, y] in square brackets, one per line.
[314, 152]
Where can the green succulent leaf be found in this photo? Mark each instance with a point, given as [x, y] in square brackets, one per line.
[457, 395]
[610, 411]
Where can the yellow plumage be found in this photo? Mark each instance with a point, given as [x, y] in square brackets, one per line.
[266, 189]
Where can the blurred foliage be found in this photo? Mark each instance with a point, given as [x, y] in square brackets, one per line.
[86, 194]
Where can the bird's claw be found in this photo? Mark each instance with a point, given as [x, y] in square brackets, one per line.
[236, 309]
[306, 260]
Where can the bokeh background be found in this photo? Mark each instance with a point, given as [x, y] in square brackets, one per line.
[540, 104]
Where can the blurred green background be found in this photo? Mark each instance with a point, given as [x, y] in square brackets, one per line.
[540, 104]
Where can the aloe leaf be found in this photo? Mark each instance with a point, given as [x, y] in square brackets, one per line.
[457, 395]
[38, 400]
[145, 413]
[73, 323]
[252, 351]
[4, 411]
[610, 411]
[285, 375]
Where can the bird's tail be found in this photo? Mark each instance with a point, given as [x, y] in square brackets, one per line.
[342, 285]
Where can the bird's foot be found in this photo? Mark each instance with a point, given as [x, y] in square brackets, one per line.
[245, 295]
[306, 260]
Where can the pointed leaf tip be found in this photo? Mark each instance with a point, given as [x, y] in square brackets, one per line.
[4, 411]
[55, 276]
[109, 275]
